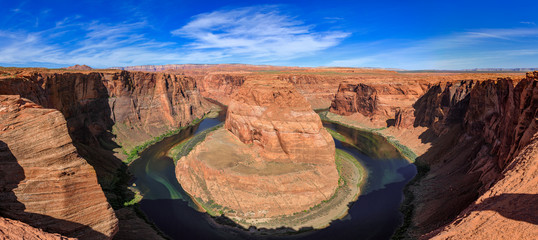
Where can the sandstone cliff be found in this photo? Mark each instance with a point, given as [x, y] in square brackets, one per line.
[15, 230]
[107, 109]
[279, 122]
[470, 134]
[380, 103]
[79, 67]
[44, 182]
[273, 158]
[220, 87]
[139, 105]
[487, 125]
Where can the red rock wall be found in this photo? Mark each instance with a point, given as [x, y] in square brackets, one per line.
[279, 122]
[482, 128]
[44, 182]
[220, 87]
[140, 105]
[379, 102]
[15, 230]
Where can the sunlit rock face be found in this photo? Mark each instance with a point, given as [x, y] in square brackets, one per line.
[43, 180]
[272, 158]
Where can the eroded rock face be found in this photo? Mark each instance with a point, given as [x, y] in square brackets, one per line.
[43, 180]
[486, 126]
[379, 102]
[444, 103]
[353, 98]
[137, 105]
[505, 211]
[279, 123]
[15, 230]
[272, 158]
[220, 86]
[79, 67]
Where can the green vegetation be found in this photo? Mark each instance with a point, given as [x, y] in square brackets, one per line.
[404, 150]
[134, 153]
[336, 135]
[136, 199]
[185, 147]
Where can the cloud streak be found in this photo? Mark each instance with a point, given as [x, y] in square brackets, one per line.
[253, 34]
[477, 48]
[256, 32]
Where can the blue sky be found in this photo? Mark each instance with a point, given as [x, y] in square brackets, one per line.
[391, 34]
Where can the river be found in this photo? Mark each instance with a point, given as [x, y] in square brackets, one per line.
[375, 214]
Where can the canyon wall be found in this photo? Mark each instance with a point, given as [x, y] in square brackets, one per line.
[44, 182]
[138, 105]
[476, 133]
[487, 125]
[220, 87]
[104, 110]
[381, 104]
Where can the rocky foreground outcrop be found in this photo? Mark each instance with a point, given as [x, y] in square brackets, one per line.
[44, 182]
[272, 158]
[15, 230]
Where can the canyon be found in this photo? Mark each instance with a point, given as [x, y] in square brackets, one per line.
[272, 158]
[65, 132]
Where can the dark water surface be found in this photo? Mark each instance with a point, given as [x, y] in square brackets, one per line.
[374, 215]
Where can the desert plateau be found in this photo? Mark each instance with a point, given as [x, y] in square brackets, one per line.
[168, 120]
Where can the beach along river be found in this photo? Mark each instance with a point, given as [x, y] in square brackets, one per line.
[375, 215]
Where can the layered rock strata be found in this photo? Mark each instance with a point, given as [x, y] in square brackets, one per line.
[481, 157]
[487, 126]
[44, 182]
[138, 105]
[15, 230]
[380, 103]
[105, 108]
[272, 158]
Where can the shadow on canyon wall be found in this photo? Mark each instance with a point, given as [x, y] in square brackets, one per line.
[519, 207]
[83, 100]
[11, 174]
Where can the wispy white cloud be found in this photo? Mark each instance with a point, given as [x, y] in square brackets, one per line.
[528, 23]
[478, 48]
[256, 32]
[93, 43]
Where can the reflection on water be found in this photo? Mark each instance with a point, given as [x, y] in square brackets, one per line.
[374, 215]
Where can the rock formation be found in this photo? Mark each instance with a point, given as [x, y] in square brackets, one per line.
[487, 124]
[273, 158]
[79, 67]
[107, 108]
[279, 123]
[378, 102]
[139, 105]
[479, 132]
[44, 182]
[353, 98]
[15, 230]
[220, 86]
